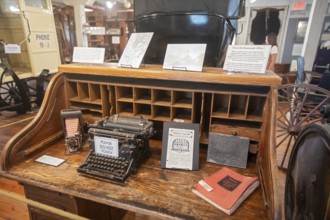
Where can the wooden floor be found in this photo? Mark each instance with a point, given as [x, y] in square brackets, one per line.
[11, 209]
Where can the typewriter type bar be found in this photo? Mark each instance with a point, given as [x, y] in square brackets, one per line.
[118, 147]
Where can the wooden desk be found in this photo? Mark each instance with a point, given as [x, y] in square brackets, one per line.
[152, 191]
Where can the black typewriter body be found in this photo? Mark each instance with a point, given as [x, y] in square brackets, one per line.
[118, 147]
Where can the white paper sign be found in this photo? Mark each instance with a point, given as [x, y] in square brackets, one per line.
[180, 148]
[49, 160]
[88, 55]
[135, 49]
[115, 39]
[12, 48]
[106, 146]
[188, 57]
[247, 58]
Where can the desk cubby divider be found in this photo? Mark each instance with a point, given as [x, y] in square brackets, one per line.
[72, 90]
[256, 107]
[183, 99]
[124, 93]
[161, 113]
[162, 97]
[83, 92]
[95, 93]
[238, 106]
[86, 96]
[125, 108]
[183, 114]
[143, 110]
[220, 105]
[142, 95]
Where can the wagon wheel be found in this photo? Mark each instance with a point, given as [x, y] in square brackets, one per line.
[298, 106]
[12, 93]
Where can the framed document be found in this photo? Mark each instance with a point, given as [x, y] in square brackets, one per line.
[180, 146]
[187, 57]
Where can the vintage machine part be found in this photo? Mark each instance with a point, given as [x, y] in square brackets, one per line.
[307, 187]
[298, 106]
[12, 93]
[118, 147]
[73, 130]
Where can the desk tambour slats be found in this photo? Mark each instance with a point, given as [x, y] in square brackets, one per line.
[152, 191]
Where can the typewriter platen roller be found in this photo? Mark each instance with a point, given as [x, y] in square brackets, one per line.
[118, 147]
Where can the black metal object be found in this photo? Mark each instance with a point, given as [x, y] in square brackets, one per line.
[13, 96]
[194, 21]
[307, 187]
[17, 94]
[298, 107]
[119, 145]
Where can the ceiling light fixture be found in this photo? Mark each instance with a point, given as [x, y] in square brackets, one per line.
[127, 4]
[110, 4]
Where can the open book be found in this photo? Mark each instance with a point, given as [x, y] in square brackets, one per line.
[226, 189]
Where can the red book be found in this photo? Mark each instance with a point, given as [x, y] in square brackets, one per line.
[226, 189]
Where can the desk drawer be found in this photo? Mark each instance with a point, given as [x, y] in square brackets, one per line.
[51, 198]
[252, 133]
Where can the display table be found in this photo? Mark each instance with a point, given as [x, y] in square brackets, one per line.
[214, 99]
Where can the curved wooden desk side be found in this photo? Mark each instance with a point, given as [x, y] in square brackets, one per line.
[47, 127]
[42, 130]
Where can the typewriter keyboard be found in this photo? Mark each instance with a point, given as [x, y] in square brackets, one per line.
[111, 167]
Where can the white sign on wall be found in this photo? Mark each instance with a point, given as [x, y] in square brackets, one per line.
[12, 48]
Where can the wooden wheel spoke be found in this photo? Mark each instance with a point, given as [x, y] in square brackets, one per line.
[279, 143]
[280, 135]
[282, 125]
[286, 151]
[284, 116]
[312, 111]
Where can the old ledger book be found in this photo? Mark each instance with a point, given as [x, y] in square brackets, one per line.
[226, 189]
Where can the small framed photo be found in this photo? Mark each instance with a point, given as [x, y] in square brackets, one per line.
[180, 148]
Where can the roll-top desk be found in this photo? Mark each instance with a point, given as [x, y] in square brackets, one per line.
[230, 103]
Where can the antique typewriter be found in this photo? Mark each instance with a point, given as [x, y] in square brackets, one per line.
[118, 146]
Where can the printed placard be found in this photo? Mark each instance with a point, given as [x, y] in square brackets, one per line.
[12, 48]
[180, 146]
[88, 55]
[186, 57]
[50, 160]
[247, 58]
[135, 50]
[106, 146]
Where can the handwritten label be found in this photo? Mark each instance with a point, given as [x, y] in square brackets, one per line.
[12, 48]
[106, 146]
[247, 58]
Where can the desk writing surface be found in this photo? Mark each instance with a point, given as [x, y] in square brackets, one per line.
[152, 191]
